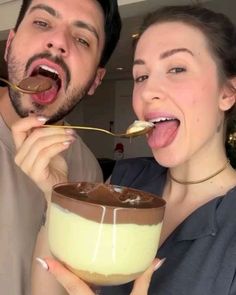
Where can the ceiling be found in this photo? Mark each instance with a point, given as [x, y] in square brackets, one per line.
[132, 13]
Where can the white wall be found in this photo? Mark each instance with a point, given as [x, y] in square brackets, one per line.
[97, 111]
[227, 7]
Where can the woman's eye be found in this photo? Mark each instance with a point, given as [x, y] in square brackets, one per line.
[82, 41]
[41, 23]
[141, 78]
[177, 70]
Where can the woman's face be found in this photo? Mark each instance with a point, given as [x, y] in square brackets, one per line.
[176, 84]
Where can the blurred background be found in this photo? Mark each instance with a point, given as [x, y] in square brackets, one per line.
[110, 108]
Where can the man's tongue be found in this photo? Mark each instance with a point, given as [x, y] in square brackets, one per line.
[163, 134]
[48, 96]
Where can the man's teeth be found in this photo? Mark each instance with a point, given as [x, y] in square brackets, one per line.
[161, 119]
[47, 68]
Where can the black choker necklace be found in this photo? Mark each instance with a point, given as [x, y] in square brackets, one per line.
[201, 180]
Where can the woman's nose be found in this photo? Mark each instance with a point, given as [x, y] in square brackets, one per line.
[152, 91]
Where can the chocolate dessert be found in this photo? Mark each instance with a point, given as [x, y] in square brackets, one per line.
[105, 234]
[36, 83]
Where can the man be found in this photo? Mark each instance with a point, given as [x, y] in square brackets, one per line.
[69, 42]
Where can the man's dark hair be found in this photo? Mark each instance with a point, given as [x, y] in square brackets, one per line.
[112, 25]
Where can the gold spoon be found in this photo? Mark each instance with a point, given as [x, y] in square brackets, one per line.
[30, 85]
[135, 129]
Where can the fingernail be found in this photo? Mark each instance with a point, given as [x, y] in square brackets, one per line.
[68, 142]
[42, 119]
[70, 131]
[42, 262]
[159, 263]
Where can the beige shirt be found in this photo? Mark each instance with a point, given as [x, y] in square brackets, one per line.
[22, 207]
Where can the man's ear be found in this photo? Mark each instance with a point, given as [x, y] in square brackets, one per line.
[97, 81]
[9, 40]
[228, 98]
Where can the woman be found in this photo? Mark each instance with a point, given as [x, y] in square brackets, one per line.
[184, 81]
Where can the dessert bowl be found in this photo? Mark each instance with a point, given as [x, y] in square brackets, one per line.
[105, 234]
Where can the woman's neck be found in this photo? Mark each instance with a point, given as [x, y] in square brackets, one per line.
[204, 190]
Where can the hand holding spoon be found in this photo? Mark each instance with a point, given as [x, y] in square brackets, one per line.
[30, 85]
[135, 129]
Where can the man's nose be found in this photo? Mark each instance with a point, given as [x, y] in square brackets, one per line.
[58, 44]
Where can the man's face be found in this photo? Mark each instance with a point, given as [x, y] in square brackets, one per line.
[60, 41]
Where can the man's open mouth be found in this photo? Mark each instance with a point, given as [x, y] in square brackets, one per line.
[49, 96]
[46, 71]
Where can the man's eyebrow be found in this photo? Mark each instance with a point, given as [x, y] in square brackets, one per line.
[171, 52]
[47, 8]
[165, 54]
[89, 27]
[79, 24]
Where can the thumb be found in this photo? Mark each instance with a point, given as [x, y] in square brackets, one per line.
[142, 283]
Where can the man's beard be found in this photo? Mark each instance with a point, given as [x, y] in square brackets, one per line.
[69, 102]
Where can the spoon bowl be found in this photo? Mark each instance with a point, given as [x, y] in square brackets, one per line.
[31, 85]
[135, 129]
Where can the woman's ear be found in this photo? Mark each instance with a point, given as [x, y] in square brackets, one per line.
[228, 98]
[9, 40]
[97, 81]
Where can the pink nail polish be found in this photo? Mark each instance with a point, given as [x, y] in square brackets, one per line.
[42, 119]
[42, 263]
[159, 264]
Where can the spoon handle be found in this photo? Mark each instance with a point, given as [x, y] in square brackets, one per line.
[82, 128]
[8, 83]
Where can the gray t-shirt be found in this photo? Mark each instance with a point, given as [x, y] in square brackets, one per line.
[22, 207]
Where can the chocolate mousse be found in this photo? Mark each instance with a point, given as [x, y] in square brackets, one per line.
[36, 84]
[112, 197]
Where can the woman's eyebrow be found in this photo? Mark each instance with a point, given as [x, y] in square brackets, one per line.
[138, 62]
[165, 54]
[171, 52]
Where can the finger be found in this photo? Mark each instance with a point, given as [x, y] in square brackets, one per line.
[40, 134]
[142, 283]
[29, 151]
[68, 280]
[40, 170]
[21, 128]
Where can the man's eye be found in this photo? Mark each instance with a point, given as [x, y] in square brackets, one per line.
[141, 78]
[82, 41]
[177, 70]
[41, 23]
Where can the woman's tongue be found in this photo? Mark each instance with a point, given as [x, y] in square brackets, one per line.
[48, 96]
[163, 134]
